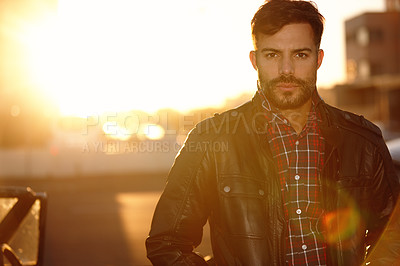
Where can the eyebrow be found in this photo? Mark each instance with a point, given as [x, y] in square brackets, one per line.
[277, 51]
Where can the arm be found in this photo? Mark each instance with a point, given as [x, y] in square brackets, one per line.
[182, 210]
[387, 250]
[385, 247]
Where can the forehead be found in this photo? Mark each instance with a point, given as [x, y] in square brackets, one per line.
[291, 36]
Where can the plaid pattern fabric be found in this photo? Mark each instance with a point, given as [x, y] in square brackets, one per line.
[298, 159]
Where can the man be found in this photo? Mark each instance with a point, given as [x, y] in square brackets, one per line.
[300, 183]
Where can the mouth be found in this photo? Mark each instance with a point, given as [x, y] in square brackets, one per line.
[287, 86]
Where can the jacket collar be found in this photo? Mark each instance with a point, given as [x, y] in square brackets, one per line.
[329, 125]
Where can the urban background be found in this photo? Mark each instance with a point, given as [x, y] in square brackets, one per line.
[103, 172]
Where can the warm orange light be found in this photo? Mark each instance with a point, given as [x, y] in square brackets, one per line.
[114, 131]
[152, 131]
[340, 225]
[40, 38]
[94, 56]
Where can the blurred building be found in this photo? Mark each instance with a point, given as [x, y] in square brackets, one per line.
[373, 66]
[392, 5]
[373, 45]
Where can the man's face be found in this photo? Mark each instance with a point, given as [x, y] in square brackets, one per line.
[287, 64]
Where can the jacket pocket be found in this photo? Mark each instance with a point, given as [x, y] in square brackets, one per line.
[242, 206]
[355, 181]
[356, 187]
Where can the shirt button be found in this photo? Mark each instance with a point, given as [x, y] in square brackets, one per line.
[297, 142]
[296, 177]
[304, 247]
[298, 211]
[227, 189]
[261, 192]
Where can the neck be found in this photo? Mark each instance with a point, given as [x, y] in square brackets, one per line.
[298, 117]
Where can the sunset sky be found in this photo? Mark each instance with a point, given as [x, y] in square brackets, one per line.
[96, 56]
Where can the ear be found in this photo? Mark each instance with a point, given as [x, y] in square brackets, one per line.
[253, 59]
[320, 57]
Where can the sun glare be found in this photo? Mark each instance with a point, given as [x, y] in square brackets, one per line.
[96, 56]
[147, 131]
[42, 53]
[152, 131]
[114, 131]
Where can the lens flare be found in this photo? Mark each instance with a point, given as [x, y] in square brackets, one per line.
[153, 131]
[341, 224]
[114, 131]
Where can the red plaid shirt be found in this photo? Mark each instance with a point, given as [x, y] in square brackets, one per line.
[299, 158]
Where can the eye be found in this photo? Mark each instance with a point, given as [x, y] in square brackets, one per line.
[271, 55]
[301, 55]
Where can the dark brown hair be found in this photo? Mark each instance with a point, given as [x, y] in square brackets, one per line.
[275, 14]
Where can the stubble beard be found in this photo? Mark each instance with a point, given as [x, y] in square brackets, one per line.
[287, 99]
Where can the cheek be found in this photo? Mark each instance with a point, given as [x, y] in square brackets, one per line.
[306, 70]
[268, 70]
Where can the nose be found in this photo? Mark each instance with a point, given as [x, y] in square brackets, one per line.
[286, 66]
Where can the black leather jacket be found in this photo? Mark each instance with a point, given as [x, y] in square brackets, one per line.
[225, 173]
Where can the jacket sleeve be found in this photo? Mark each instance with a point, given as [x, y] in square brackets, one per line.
[387, 250]
[183, 208]
[385, 243]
